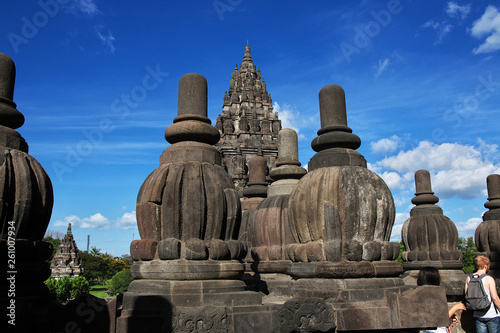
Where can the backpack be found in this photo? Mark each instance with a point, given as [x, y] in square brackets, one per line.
[476, 298]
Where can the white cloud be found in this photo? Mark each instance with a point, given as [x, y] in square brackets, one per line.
[393, 180]
[382, 66]
[289, 118]
[488, 24]
[398, 224]
[455, 169]
[86, 6]
[100, 222]
[442, 29]
[96, 221]
[127, 221]
[106, 39]
[386, 145]
[456, 11]
[468, 227]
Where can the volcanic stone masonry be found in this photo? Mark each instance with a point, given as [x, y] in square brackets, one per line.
[430, 239]
[66, 261]
[25, 208]
[247, 125]
[317, 248]
[488, 232]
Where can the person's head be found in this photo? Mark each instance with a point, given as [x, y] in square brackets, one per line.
[428, 276]
[481, 262]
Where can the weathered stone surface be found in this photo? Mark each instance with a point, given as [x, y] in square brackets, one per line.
[330, 200]
[247, 124]
[453, 280]
[272, 229]
[169, 249]
[26, 200]
[253, 319]
[203, 319]
[11, 117]
[487, 235]
[396, 312]
[306, 315]
[66, 261]
[189, 199]
[428, 234]
[256, 188]
[186, 269]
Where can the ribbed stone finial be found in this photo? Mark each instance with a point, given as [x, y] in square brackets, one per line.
[424, 194]
[192, 123]
[493, 203]
[287, 171]
[257, 185]
[193, 91]
[248, 55]
[288, 150]
[9, 115]
[336, 144]
[334, 132]
[257, 170]
[332, 107]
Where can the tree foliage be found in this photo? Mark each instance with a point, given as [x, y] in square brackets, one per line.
[55, 238]
[100, 267]
[67, 288]
[401, 250]
[469, 250]
[119, 283]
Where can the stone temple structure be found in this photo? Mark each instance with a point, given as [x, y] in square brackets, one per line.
[66, 261]
[328, 232]
[25, 208]
[487, 235]
[431, 238]
[247, 125]
[320, 258]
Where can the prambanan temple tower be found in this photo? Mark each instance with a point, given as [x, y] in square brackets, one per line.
[247, 125]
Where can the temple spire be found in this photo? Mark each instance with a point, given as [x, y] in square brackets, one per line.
[248, 55]
[247, 121]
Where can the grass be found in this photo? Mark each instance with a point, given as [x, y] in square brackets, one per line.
[99, 290]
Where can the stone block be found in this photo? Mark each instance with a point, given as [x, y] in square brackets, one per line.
[252, 319]
[371, 251]
[211, 319]
[333, 250]
[169, 249]
[218, 249]
[233, 299]
[324, 288]
[353, 250]
[306, 315]
[194, 249]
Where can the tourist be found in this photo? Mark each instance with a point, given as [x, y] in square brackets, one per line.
[430, 276]
[487, 321]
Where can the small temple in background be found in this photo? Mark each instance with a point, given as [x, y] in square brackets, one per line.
[247, 125]
[66, 261]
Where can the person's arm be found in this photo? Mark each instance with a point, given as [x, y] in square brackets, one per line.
[490, 284]
[455, 308]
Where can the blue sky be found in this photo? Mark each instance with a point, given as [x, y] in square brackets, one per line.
[97, 82]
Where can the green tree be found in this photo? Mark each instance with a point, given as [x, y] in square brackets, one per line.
[95, 269]
[401, 250]
[469, 250]
[55, 238]
[119, 283]
[67, 288]
[100, 267]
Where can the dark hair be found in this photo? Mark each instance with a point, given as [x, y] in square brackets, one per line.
[428, 276]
